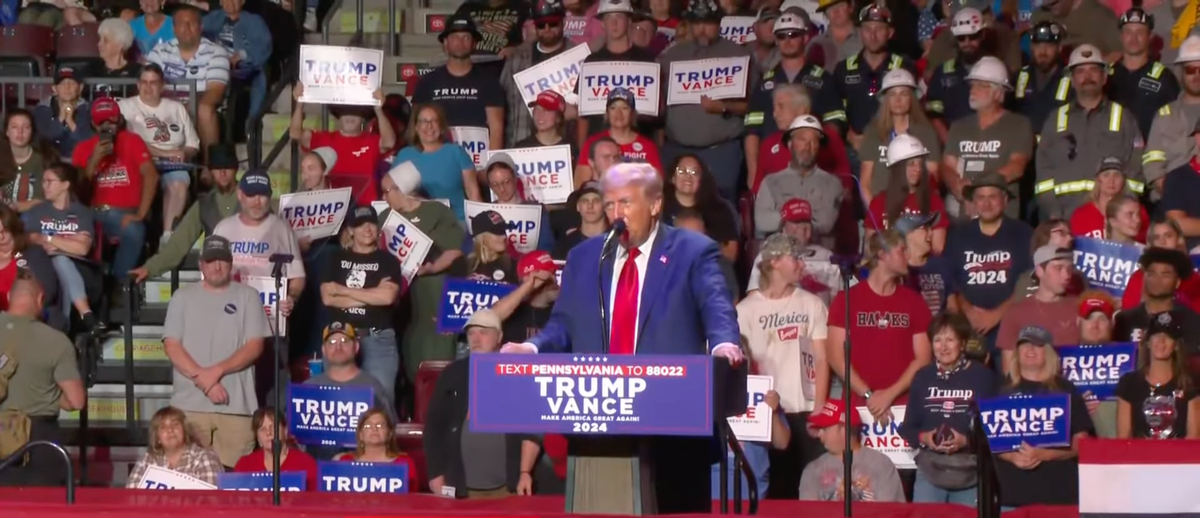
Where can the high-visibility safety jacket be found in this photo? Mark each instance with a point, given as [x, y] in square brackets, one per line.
[1073, 142]
[1170, 144]
[858, 83]
[1142, 91]
[1037, 101]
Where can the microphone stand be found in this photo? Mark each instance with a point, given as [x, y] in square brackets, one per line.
[276, 444]
[847, 268]
[605, 249]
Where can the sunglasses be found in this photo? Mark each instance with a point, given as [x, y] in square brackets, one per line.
[543, 25]
[969, 37]
[789, 35]
[1191, 71]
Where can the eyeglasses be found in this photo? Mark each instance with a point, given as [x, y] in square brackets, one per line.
[374, 426]
[686, 171]
[502, 183]
[339, 341]
[969, 37]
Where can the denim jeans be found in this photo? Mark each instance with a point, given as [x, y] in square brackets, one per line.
[381, 358]
[257, 79]
[926, 493]
[69, 281]
[130, 239]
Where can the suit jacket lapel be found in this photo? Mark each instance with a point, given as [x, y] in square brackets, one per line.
[656, 271]
[606, 280]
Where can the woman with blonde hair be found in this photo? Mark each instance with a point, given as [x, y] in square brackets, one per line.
[1158, 400]
[1124, 220]
[1034, 475]
[900, 113]
[489, 258]
[172, 447]
[1091, 219]
[376, 441]
[447, 172]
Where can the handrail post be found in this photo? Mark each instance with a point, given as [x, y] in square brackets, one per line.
[62, 453]
[127, 331]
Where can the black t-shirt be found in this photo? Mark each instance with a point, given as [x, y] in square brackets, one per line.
[500, 270]
[131, 70]
[1168, 402]
[1130, 325]
[499, 26]
[361, 271]
[1179, 188]
[986, 268]
[1054, 482]
[539, 56]
[563, 246]
[464, 99]
[525, 323]
[718, 219]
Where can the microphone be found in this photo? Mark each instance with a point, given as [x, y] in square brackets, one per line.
[618, 228]
[279, 261]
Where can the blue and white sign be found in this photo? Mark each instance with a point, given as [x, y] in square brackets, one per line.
[886, 439]
[1097, 368]
[340, 75]
[1105, 264]
[1043, 420]
[474, 141]
[463, 298]
[597, 78]
[289, 481]
[717, 78]
[738, 29]
[327, 415]
[755, 424]
[524, 222]
[315, 214]
[559, 73]
[404, 240]
[362, 477]
[158, 477]
[545, 172]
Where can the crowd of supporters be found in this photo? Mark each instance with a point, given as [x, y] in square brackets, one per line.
[952, 150]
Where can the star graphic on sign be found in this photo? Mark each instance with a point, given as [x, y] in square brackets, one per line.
[575, 358]
[605, 359]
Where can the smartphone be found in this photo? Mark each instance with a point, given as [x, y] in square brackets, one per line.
[107, 135]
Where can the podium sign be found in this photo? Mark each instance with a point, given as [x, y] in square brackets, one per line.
[592, 394]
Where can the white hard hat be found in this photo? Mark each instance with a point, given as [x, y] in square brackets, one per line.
[1189, 50]
[804, 121]
[967, 21]
[789, 22]
[614, 6]
[989, 70]
[898, 77]
[1086, 54]
[904, 147]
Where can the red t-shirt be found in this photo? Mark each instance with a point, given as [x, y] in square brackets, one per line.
[118, 181]
[773, 157]
[911, 206]
[356, 161]
[882, 333]
[1188, 293]
[641, 149]
[8, 275]
[1088, 221]
[295, 460]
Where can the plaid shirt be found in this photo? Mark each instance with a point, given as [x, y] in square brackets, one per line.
[196, 461]
[518, 123]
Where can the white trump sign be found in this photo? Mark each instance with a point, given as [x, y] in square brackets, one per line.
[158, 477]
[545, 172]
[474, 141]
[559, 73]
[598, 78]
[886, 439]
[315, 214]
[524, 222]
[717, 78]
[755, 424]
[738, 29]
[340, 75]
[407, 242]
[266, 292]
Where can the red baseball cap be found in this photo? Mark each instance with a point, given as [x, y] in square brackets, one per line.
[1094, 303]
[105, 109]
[550, 100]
[796, 210]
[535, 261]
[834, 412]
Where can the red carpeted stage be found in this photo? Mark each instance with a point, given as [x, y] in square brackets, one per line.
[122, 503]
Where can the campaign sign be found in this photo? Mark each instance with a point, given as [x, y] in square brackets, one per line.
[717, 78]
[886, 439]
[406, 242]
[270, 299]
[315, 214]
[289, 481]
[545, 171]
[558, 274]
[755, 424]
[463, 298]
[591, 394]
[362, 477]
[474, 141]
[158, 477]
[597, 78]
[340, 75]
[1097, 368]
[738, 29]
[668, 32]
[327, 415]
[1042, 420]
[524, 222]
[559, 73]
[1107, 265]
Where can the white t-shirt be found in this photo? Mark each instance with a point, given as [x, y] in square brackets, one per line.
[167, 127]
[209, 65]
[779, 335]
[818, 271]
[254, 246]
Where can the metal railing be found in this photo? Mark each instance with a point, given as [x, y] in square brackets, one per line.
[741, 468]
[25, 92]
[19, 455]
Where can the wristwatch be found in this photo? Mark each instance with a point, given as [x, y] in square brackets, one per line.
[868, 394]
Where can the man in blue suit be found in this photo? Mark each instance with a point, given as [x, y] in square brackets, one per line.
[663, 293]
[670, 299]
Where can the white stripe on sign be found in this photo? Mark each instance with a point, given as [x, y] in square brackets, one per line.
[1141, 489]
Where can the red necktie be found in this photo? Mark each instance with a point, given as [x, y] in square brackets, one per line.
[625, 307]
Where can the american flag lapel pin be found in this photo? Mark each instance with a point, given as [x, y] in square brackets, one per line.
[662, 259]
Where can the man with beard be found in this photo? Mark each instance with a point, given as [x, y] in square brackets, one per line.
[860, 76]
[1136, 81]
[1087, 22]
[949, 95]
[997, 38]
[1079, 135]
[468, 94]
[201, 219]
[1041, 85]
[548, 22]
[1170, 144]
[990, 140]
[526, 310]
[765, 55]
[499, 22]
[710, 130]
[804, 180]
[213, 335]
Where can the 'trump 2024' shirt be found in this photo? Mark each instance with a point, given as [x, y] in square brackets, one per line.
[253, 246]
[986, 268]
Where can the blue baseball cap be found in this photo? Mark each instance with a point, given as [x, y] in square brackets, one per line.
[255, 183]
[1035, 335]
[621, 94]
